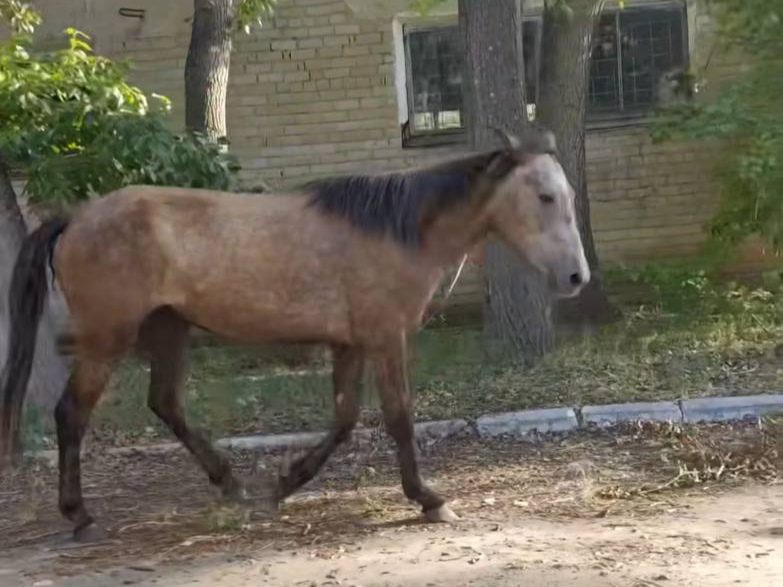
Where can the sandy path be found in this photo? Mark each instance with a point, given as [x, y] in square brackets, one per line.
[594, 509]
[735, 538]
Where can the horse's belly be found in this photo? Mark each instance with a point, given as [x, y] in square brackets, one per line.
[274, 321]
[359, 305]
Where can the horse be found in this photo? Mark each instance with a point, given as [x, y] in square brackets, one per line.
[350, 262]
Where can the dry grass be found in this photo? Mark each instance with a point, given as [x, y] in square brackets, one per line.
[699, 455]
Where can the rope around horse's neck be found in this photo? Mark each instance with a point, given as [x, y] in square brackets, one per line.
[453, 284]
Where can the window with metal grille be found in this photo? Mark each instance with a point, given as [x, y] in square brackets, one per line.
[434, 64]
[633, 49]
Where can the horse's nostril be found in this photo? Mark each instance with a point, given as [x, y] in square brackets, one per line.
[576, 279]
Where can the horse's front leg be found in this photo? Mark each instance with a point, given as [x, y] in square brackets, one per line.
[392, 380]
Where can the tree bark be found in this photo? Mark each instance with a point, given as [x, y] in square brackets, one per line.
[518, 316]
[49, 368]
[566, 47]
[207, 67]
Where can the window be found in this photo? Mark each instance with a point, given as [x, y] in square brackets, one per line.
[434, 63]
[632, 49]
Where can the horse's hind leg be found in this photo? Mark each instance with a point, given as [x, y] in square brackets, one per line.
[346, 379]
[87, 381]
[164, 336]
[392, 379]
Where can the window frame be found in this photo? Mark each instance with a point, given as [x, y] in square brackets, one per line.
[427, 137]
[593, 119]
[618, 117]
[432, 138]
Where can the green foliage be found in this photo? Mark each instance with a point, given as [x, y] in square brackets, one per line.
[753, 25]
[748, 115]
[21, 18]
[253, 12]
[424, 6]
[673, 287]
[559, 10]
[34, 424]
[77, 128]
[695, 291]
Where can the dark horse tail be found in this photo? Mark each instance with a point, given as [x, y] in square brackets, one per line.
[26, 300]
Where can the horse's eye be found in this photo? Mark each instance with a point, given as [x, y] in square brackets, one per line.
[546, 198]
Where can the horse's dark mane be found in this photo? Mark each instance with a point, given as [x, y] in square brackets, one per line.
[393, 203]
[396, 203]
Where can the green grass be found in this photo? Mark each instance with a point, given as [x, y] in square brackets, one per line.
[693, 337]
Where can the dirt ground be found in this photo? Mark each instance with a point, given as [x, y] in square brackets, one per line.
[638, 508]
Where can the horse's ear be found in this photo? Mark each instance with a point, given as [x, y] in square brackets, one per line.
[510, 142]
[537, 139]
[549, 142]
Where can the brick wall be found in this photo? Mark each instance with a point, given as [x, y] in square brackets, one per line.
[648, 200]
[313, 93]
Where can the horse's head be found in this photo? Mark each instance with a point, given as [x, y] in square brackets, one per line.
[530, 206]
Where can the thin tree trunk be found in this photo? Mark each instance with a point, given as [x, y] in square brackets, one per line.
[14, 229]
[49, 369]
[494, 82]
[517, 303]
[207, 67]
[566, 46]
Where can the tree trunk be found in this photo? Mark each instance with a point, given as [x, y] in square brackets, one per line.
[49, 369]
[206, 68]
[566, 47]
[517, 303]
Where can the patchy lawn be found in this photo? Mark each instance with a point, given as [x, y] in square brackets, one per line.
[690, 338]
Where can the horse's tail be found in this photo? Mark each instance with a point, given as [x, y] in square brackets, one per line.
[26, 299]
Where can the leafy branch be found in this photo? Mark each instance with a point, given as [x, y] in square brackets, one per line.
[748, 116]
[76, 128]
[251, 13]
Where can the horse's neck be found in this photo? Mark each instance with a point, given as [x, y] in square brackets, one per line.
[453, 234]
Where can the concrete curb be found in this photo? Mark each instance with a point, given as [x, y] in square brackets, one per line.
[433, 430]
[612, 414]
[527, 422]
[722, 409]
[272, 441]
[557, 420]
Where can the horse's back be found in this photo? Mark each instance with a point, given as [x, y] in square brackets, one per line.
[136, 219]
[227, 262]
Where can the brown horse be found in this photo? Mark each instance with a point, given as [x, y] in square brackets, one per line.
[350, 262]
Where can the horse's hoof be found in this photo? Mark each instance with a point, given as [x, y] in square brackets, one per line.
[442, 514]
[88, 533]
